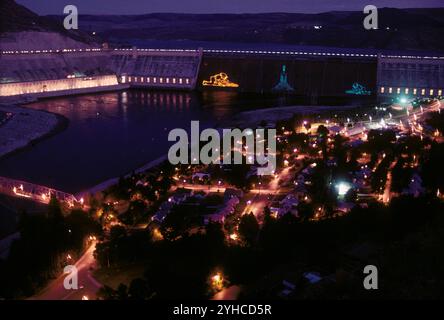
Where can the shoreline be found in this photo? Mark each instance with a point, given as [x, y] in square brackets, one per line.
[15, 144]
[100, 187]
[252, 118]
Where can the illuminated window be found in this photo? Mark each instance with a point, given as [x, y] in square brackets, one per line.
[439, 92]
[382, 89]
[148, 80]
[398, 91]
[123, 79]
[187, 80]
[174, 80]
[135, 79]
[406, 90]
[422, 92]
[167, 80]
[390, 90]
[180, 80]
[155, 80]
[431, 92]
[141, 79]
[161, 80]
[415, 91]
[129, 79]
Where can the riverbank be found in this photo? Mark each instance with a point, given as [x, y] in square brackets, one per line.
[150, 166]
[253, 118]
[26, 127]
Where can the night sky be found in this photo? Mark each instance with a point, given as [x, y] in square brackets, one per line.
[216, 6]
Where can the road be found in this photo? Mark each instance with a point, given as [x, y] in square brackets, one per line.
[87, 285]
[386, 196]
[266, 195]
[230, 293]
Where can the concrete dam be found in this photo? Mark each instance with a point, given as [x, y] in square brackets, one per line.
[42, 73]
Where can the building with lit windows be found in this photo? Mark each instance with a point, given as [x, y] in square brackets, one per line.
[410, 76]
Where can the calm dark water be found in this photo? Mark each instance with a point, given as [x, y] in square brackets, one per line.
[111, 134]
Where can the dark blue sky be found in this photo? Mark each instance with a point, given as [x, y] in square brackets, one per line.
[216, 6]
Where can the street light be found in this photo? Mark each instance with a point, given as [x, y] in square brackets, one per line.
[217, 281]
[343, 188]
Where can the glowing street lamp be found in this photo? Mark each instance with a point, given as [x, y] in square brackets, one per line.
[217, 281]
[234, 236]
[343, 188]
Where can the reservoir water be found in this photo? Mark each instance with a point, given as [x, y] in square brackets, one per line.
[110, 134]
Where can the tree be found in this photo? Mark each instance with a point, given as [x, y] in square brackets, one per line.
[117, 232]
[139, 290]
[323, 134]
[305, 211]
[106, 293]
[380, 140]
[215, 235]
[323, 131]
[54, 210]
[248, 228]
[122, 292]
[136, 211]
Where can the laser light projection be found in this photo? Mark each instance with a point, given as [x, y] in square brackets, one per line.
[220, 80]
[359, 90]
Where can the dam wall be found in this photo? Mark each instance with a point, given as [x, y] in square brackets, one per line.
[67, 71]
[309, 74]
[161, 69]
[306, 76]
[46, 88]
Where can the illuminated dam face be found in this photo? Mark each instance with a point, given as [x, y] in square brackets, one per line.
[62, 72]
[312, 77]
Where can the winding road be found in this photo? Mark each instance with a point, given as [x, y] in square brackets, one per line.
[87, 285]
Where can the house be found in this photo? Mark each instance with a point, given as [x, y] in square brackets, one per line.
[231, 192]
[180, 195]
[220, 215]
[415, 187]
[287, 290]
[286, 205]
[163, 211]
[177, 197]
[312, 277]
[199, 176]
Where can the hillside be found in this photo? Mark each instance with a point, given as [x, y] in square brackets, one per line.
[21, 28]
[400, 29]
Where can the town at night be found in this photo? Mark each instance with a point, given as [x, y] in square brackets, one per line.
[218, 158]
